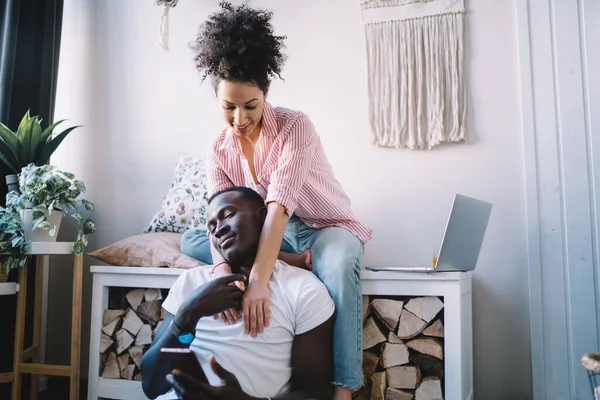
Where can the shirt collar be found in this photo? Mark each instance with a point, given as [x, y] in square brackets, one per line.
[269, 127]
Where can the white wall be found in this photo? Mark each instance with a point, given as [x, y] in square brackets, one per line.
[141, 105]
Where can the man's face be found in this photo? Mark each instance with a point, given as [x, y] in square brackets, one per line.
[234, 226]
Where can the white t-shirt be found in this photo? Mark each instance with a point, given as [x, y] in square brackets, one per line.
[263, 365]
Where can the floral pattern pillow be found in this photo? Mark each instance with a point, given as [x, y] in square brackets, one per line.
[184, 206]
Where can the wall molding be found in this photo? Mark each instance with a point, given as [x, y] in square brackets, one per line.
[560, 194]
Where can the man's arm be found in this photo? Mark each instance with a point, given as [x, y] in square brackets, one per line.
[312, 364]
[208, 299]
[154, 368]
[312, 372]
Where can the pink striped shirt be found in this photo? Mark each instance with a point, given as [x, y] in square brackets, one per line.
[292, 170]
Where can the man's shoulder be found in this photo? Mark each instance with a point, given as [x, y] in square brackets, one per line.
[196, 276]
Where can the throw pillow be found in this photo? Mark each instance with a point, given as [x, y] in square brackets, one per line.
[147, 250]
[185, 204]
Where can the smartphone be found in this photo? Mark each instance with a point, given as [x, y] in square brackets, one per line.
[185, 360]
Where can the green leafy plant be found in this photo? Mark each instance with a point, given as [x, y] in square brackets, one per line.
[29, 144]
[45, 189]
[13, 244]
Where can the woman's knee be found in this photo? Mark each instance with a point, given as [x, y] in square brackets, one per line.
[196, 244]
[337, 254]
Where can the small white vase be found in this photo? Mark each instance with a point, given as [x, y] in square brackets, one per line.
[39, 234]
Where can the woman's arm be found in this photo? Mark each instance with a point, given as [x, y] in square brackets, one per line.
[256, 304]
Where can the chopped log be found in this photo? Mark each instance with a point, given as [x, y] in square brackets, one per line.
[111, 315]
[388, 311]
[144, 336]
[132, 322]
[112, 326]
[365, 307]
[436, 329]
[392, 338]
[371, 334]
[138, 377]
[425, 308]
[427, 346]
[124, 340]
[410, 325]
[127, 373]
[111, 368]
[152, 294]
[403, 377]
[395, 394]
[123, 361]
[136, 353]
[429, 366]
[394, 354]
[429, 389]
[370, 361]
[378, 387]
[363, 394]
[135, 297]
[105, 343]
[150, 311]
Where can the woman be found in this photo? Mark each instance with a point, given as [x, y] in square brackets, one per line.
[277, 152]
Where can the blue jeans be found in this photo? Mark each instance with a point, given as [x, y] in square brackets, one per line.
[336, 256]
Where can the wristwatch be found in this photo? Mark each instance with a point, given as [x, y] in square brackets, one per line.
[182, 336]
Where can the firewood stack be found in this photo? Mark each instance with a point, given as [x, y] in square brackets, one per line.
[129, 326]
[403, 345]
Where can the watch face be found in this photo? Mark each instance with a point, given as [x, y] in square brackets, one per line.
[186, 337]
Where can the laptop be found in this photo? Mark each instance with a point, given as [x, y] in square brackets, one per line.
[462, 239]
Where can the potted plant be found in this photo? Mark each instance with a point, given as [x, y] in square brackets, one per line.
[46, 193]
[13, 247]
[28, 145]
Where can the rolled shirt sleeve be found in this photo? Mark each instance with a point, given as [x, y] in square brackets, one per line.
[294, 162]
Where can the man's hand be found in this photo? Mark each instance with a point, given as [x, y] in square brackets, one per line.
[209, 299]
[231, 315]
[256, 308]
[189, 388]
[301, 260]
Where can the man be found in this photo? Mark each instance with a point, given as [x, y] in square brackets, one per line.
[291, 359]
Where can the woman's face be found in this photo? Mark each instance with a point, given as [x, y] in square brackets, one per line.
[242, 106]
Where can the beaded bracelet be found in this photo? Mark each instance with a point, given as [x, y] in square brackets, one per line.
[217, 265]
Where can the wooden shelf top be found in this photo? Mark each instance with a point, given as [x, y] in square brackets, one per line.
[50, 248]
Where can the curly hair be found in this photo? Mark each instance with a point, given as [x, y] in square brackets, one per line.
[237, 44]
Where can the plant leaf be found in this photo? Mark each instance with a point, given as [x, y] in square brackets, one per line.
[84, 240]
[89, 227]
[88, 205]
[25, 135]
[51, 145]
[24, 120]
[36, 141]
[9, 136]
[78, 217]
[46, 133]
[45, 225]
[8, 157]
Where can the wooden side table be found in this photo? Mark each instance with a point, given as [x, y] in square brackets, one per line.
[33, 353]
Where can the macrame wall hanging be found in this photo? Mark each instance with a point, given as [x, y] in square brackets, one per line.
[415, 55]
[163, 39]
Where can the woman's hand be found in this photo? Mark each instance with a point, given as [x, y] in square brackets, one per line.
[256, 307]
[232, 315]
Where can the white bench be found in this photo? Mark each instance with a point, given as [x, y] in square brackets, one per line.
[455, 287]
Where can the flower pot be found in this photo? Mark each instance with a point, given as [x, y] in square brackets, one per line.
[39, 234]
[12, 182]
[8, 288]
